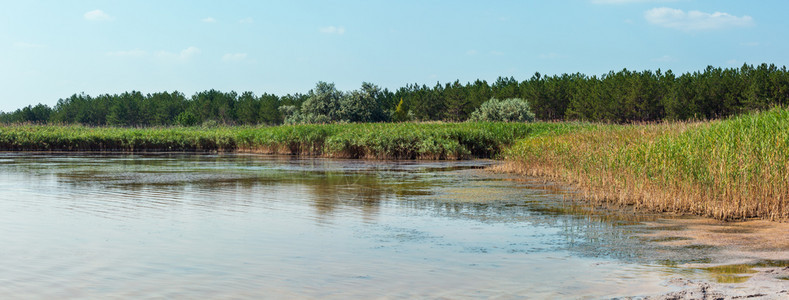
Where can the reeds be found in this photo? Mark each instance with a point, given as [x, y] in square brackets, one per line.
[373, 141]
[81, 138]
[732, 169]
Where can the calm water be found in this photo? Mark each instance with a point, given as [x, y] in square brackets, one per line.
[207, 226]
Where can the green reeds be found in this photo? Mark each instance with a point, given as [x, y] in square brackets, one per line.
[370, 140]
[731, 169]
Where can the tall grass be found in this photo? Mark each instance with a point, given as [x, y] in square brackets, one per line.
[80, 138]
[395, 141]
[375, 141]
[731, 169]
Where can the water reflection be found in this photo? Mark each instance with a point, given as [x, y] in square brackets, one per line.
[137, 184]
[245, 226]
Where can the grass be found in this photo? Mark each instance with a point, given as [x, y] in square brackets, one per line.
[374, 141]
[395, 141]
[730, 169]
[80, 138]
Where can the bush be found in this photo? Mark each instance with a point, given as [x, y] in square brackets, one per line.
[210, 124]
[290, 114]
[508, 110]
[186, 119]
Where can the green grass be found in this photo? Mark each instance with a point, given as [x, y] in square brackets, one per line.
[374, 141]
[398, 141]
[80, 138]
[736, 168]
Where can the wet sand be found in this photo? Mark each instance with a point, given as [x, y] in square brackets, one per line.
[753, 261]
[763, 285]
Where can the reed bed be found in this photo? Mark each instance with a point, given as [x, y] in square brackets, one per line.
[732, 169]
[396, 141]
[370, 140]
[81, 138]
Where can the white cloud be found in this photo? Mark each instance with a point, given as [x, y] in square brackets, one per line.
[188, 52]
[332, 30]
[496, 52]
[246, 21]
[97, 15]
[127, 53]
[183, 55]
[471, 52]
[750, 44]
[26, 45]
[694, 20]
[733, 62]
[234, 57]
[208, 20]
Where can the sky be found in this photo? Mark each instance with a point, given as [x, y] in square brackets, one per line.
[53, 49]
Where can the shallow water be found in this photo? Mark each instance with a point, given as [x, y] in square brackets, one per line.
[208, 226]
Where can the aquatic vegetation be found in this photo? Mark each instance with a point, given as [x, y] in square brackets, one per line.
[727, 278]
[731, 269]
[736, 168]
[738, 273]
[362, 140]
[81, 138]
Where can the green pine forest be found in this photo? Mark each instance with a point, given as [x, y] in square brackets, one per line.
[616, 97]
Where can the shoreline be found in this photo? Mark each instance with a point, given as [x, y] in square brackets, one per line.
[764, 285]
[751, 260]
[433, 141]
[748, 248]
[733, 169]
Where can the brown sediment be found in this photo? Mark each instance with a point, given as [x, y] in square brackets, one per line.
[755, 239]
[280, 150]
[753, 259]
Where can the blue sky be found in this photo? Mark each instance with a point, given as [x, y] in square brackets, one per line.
[52, 49]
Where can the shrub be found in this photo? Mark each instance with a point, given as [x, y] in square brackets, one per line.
[186, 119]
[508, 110]
[290, 114]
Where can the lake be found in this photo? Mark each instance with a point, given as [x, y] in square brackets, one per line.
[251, 226]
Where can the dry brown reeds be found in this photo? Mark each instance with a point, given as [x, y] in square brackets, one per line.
[732, 169]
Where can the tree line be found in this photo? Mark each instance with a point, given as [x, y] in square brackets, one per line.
[623, 96]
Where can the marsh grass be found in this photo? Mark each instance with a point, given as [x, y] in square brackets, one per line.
[81, 138]
[731, 169]
[394, 140]
[365, 140]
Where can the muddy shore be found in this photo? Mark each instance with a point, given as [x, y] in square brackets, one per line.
[753, 261]
[763, 285]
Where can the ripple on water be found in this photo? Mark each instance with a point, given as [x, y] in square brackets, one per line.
[227, 226]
